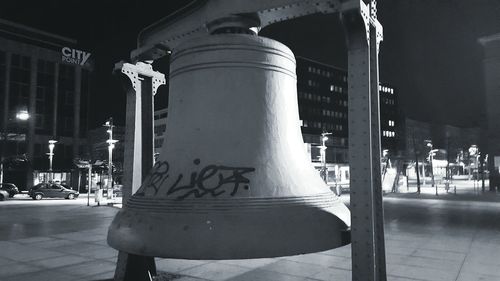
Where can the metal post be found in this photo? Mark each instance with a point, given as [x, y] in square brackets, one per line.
[111, 145]
[324, 173]
[51, 155]
[90, 183]
[378, 208]
[368, 257]
[139, 150]
[432, 170]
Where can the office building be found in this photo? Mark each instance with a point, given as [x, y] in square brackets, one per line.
[323, 108]
[47, 76]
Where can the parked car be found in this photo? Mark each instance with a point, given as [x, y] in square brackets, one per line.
[41, 190]
[3, 195]
[10, 188]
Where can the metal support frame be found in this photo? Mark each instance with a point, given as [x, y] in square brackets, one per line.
[364, 34]
[141, 87]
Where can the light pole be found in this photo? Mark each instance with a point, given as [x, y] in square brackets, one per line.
[111, 144]
[322, 148]
[431, 153]
[52, 145]
[473, 151]
[22, 115]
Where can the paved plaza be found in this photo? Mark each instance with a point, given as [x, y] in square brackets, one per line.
[447, 237]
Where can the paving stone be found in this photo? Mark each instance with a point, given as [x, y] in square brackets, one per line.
[47, 275]
[476, 277]
[24, 253]
[422, 273]
[89, 268]
[336, 274]
[439, 254]
[14, 269]
[36, 239]
[294, 268]
[265, 275]
[60, 261]
[215, 271]
[57, 242]
[176, 265]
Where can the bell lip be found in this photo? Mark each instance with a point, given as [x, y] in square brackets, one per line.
[237, 236]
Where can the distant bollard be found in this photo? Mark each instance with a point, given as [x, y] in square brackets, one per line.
[455, 189]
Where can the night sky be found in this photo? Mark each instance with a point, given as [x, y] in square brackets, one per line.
[430, 51]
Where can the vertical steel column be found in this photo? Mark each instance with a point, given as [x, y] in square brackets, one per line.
[138, 153]
[368, 258]
[143, 85]
[376, 36]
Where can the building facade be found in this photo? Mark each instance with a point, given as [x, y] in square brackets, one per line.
[159, 127]
[322, 95]
[491, 72]
[47, 76]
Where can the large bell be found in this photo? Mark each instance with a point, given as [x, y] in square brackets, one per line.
[233, 179]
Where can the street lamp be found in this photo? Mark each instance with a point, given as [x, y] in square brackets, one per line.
[111, 144]
[431, 154]
[473, 151]
[52, 145]
[22, 115]
[322, 148]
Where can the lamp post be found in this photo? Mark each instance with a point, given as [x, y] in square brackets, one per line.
[111, 144]
[322, 148]
[431, 154]
[473, 151]
[21, 115]
[52, 145]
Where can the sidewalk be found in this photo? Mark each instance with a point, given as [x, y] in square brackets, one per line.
[434, 240]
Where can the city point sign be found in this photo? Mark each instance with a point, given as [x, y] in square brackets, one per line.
[74, 56]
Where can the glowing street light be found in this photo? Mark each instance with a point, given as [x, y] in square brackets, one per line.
[52, 145]
[111, 145]
[23, 115]
[431, 155]
[322, 150]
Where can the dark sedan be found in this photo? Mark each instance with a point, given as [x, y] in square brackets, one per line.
[53, 190]
[10, 188]
[3, 195]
